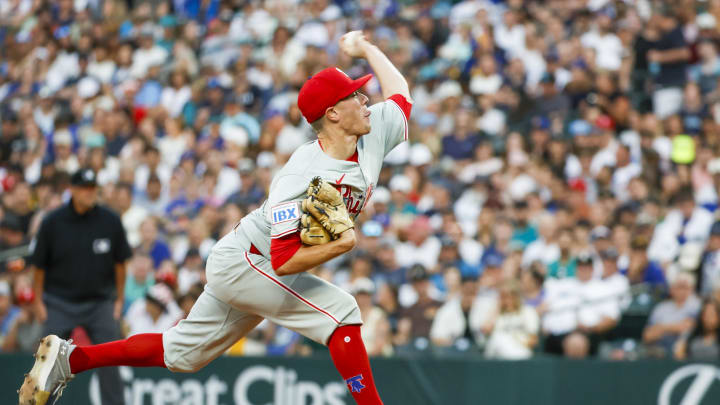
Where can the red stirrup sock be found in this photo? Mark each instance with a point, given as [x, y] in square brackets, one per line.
[348, 353]
[144, 350]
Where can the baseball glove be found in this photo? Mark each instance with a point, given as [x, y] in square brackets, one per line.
[312, 231]
[326, 205]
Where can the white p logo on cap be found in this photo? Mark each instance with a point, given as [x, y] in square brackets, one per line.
[340, 70]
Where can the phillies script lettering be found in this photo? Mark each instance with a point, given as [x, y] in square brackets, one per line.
[353, 201]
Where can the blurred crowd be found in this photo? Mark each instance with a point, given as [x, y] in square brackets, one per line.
[559, 193]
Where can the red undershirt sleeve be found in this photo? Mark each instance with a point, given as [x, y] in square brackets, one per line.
[402, 102]
[283, 248]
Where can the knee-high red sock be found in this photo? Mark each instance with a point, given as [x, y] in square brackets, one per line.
[348, 353]
[144, 350]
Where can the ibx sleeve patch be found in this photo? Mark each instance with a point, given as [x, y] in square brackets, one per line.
[285, 212]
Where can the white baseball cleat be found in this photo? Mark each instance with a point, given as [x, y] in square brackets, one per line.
[50, 373]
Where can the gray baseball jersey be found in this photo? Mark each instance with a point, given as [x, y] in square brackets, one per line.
[242, 287]
[280, 214]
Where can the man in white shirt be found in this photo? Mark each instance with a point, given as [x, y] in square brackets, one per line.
[152, 164]
[625, 170]
[421, 247]
[599, 310]
[514, 327]
[545, 249]
[559, 309]
[605, 130]
[618, 286]
[155, 313]
[607, 46]
[583, 304]
[686, 223]
[154, 200]
[131, 214]
[460, 318]
[710, 267]
[510, 35]
[147, 55]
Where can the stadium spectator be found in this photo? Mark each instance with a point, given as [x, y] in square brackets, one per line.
[641, 270]
[150, 242]
[154, 199]
[187, 300]
[250, 192]
[617, 285]
[198, 237]
[514, 327]
[532, 281]
[156, 312]
[421, 246]
[687, 223]
[140, 278]
[601, 299]
[376, 333]
[674, 319]
[191, 272]
[26, 329]
[462, 142]
[576, 346]
[385, 265]
[545, 248]
[667, 58]
[13, 244]
[704, 342]
[560, 307]
[417, 317]
[132, 215]
[458, 322]
[709, 273]
[566, 263]
[8, 311]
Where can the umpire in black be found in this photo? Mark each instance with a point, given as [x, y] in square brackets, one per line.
[79, 257]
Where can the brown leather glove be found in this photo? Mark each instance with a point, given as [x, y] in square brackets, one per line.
[312, 231]
[326, 205]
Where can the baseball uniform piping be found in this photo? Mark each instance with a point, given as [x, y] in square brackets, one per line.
[288, 232]
[405, 133]
[290, 290]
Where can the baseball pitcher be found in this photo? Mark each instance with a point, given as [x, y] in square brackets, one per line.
[258, 271]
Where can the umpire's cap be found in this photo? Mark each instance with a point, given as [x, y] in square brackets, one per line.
[84, 178]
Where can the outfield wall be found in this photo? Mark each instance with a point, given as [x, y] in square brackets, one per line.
[313, 381]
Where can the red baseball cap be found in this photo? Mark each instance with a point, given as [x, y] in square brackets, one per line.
[605, 123]
[324, 90]
[577, 185]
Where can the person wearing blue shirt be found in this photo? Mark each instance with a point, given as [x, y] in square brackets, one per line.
[641, 270]
[492, 259]
[8, 311]
[149, 94]
[151, 244]
[461, 144]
